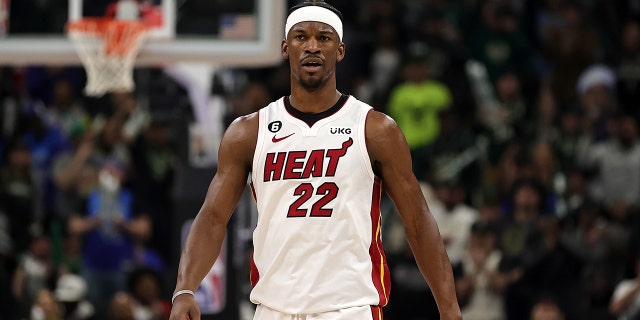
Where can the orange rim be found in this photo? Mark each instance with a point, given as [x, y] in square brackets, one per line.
[119, 36]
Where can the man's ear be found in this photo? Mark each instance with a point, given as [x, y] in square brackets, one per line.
[341, 51]
[284, 50]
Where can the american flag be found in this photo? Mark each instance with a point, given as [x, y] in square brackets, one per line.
[237, 26]
[4, 17]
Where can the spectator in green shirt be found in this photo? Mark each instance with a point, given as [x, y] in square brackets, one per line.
[415, 102]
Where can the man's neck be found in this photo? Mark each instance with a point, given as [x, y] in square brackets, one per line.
[310, 118]
[314, 101]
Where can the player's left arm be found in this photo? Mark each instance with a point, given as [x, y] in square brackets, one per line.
[391, 159]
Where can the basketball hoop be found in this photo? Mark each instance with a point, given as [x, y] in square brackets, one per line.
[107, 48]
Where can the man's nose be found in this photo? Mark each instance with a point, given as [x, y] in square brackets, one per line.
[312, 46]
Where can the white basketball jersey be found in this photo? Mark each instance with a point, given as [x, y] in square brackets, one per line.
[317, 243]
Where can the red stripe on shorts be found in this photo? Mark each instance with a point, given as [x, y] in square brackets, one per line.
[376, 312]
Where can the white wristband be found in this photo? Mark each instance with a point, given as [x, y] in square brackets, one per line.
[179, 292]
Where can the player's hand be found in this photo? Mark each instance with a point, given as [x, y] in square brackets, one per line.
[451, 314]
[185, 307]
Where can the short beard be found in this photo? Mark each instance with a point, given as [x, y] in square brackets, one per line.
[312, 84]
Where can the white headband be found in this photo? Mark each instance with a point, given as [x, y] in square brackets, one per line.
[314, 13]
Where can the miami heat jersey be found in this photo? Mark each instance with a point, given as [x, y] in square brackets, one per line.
[317, 243]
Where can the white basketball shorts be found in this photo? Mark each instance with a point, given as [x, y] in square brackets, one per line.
[360, 313]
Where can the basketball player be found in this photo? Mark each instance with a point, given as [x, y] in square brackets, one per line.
[319, 160]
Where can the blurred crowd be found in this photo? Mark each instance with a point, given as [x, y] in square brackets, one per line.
[522, 120]
[85, 200]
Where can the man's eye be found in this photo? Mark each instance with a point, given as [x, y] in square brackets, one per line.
[300, 37]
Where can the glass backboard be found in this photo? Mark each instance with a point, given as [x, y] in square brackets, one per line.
[222, 32]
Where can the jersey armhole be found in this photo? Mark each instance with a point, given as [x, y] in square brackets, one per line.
[259, 142]
[362, 136]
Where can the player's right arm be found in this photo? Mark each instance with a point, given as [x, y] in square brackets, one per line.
[391, 159]
[209, 228]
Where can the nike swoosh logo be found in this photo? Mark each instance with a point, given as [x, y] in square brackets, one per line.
[275, 139]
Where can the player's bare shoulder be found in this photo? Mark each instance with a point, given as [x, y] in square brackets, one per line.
[240, 137]
[385, 141]
[379, 125]
[381, 128]
[244, 126]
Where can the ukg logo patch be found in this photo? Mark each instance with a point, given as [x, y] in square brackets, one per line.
[339, 131]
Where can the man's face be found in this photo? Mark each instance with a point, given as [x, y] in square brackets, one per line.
[313, 49]
[527, 204]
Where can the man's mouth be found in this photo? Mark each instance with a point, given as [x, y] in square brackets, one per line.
[312, 65]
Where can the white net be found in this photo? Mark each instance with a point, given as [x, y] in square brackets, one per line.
[107, 49]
